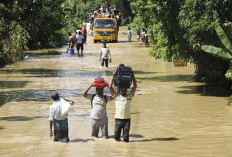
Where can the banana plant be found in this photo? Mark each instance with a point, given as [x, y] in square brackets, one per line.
[222, 52]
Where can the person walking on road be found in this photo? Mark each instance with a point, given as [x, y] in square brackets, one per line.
[72, 40]
[59, 121]
[129, 34]
[98, 115]
[122, 113]
[138, 34]
[80, 43]
[105, 55]
[84, 33]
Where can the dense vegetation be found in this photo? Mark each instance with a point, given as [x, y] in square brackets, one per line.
[37, 24]
[178, 28]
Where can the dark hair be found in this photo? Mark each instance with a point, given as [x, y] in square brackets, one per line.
[121, 65]
[128, 28]
[55, 96]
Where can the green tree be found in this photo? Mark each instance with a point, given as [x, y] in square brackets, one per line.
[178, 28]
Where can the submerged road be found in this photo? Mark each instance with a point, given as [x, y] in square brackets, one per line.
[172, 116]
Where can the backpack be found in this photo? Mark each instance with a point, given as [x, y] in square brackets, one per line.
[93, 98]
[123, 77]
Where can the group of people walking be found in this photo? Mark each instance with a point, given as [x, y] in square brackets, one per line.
[78, 40]
[143, 36]
[99, 118]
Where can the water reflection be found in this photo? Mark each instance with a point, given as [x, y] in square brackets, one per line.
[35, 95]
[81, 140]
[156, 139]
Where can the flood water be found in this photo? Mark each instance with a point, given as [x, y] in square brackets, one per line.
[172, 116]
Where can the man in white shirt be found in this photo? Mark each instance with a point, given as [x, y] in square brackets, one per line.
[122, 113]
[60, 121]
[105, 55]
[79, 44]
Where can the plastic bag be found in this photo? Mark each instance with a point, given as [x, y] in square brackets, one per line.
[66, 107]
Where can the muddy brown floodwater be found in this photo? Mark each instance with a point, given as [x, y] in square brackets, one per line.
[172, 116]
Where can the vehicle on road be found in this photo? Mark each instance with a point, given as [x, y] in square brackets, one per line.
[105, 28]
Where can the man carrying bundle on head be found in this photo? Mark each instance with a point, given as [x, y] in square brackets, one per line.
[122, 78]
[98, 115]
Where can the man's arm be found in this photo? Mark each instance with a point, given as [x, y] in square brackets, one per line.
[110, 58]
[84, 94]
[100, 56]
[50, 124]
[112, 92]
[69, 42]
[134, 84]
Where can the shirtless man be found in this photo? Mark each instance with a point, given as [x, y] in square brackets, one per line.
[72, 40]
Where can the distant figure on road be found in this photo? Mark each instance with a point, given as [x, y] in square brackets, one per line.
[72, 40]
[98, 115]
[138, 34]
[105, 55]
[122, 113]
[129, 33]
[84, 33]
[80, 43]
[59, 121]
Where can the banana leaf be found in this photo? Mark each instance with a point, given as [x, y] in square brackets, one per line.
[224, 39]
[217, 51]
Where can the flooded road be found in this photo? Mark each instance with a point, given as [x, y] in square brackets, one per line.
[172, 116]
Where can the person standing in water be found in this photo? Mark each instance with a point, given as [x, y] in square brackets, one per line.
[80, 44]
[122, 113]
[98, 100]
[57, 120]
[105, 55]
[129, 34]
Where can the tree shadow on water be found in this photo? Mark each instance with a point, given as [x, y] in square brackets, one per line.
[20, 118]
[169, 78]
[35, 95]
[206, 90]
[58, 73]
[144, 72]
[13, 84]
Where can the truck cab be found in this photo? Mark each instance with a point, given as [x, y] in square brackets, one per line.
[105, 28]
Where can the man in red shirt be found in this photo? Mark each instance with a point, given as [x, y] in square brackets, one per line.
[84, 33]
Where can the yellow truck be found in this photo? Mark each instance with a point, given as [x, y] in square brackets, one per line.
[105, 28]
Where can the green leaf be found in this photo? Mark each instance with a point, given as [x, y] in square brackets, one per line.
[223, 37]
[217, 51]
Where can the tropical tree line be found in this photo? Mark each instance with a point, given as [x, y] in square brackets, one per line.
[38, 24]
[178, 29]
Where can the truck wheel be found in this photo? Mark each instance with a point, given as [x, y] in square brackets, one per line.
[95, 41]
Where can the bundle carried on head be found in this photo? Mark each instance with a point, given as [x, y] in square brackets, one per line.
[123, 76]
[99, 82]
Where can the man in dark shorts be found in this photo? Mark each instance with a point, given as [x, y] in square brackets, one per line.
[79, 44]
